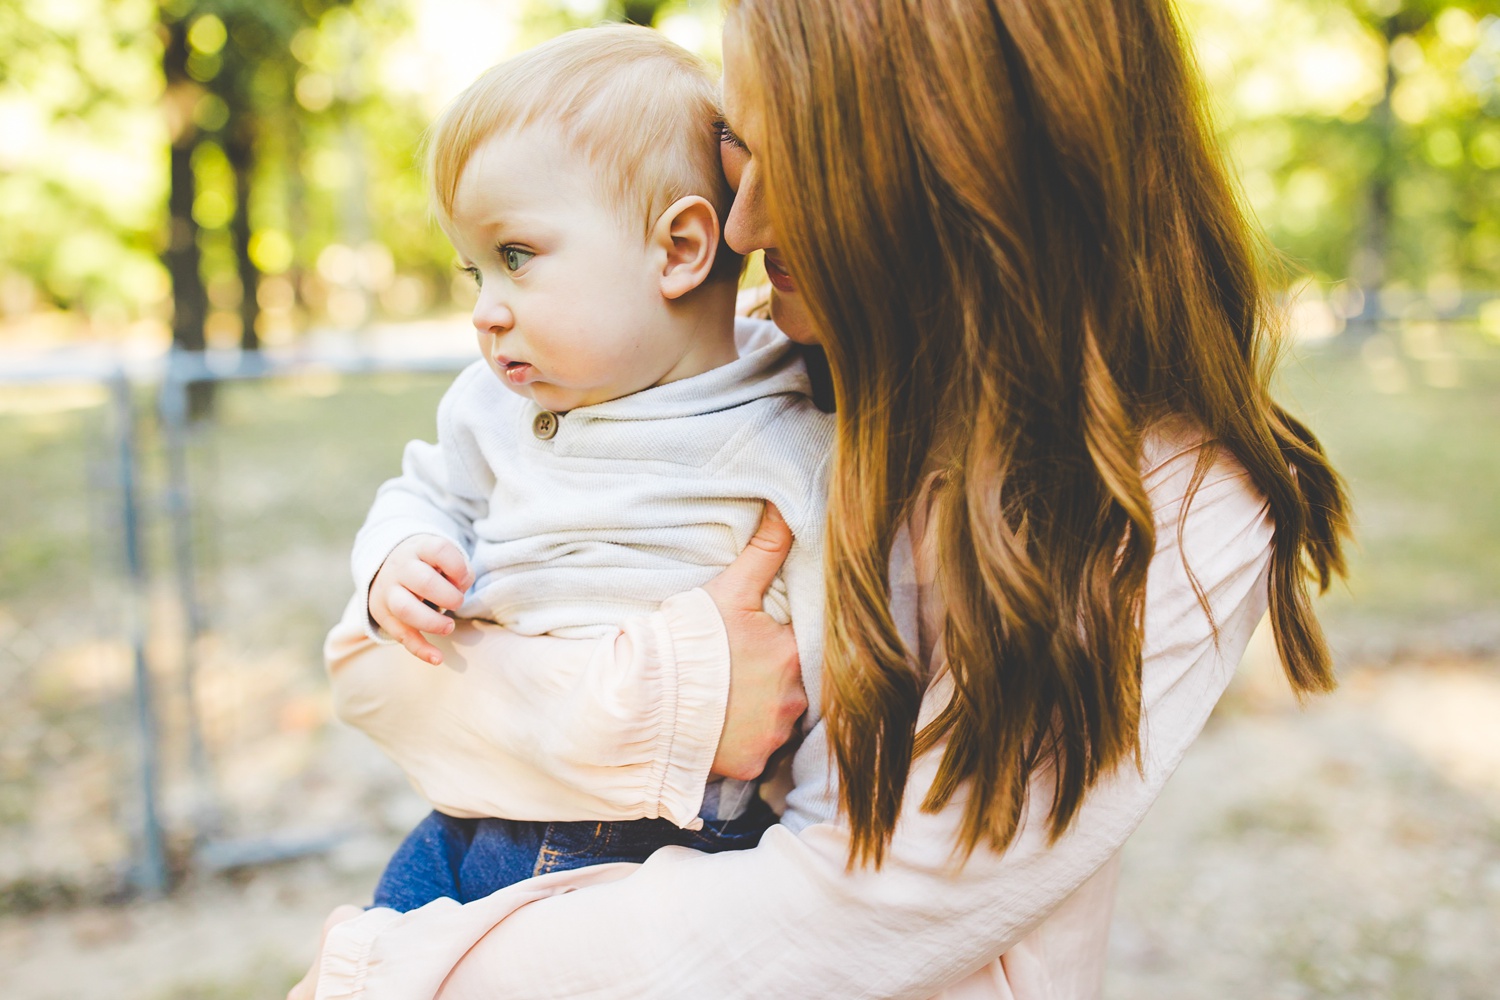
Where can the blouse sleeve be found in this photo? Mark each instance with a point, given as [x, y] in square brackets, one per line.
[789, 918]
[542, 728]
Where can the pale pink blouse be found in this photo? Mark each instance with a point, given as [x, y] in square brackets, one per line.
[626, 727]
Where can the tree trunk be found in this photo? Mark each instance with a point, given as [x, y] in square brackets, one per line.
[181, 256]
[1368, 268]
[240, 150]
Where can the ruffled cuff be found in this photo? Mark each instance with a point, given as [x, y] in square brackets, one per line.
[346, 953]
[385, 955]
[694, 650]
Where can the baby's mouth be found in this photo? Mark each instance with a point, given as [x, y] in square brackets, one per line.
[518, 372]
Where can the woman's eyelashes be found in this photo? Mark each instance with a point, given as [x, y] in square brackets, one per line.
[726, 134]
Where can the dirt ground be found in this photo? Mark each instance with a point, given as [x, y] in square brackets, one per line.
[1348, 849]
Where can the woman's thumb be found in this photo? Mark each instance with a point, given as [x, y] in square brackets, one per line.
[744, 582]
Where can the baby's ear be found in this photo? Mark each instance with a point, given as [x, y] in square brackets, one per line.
[688, 232]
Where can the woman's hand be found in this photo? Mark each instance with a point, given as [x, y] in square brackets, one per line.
[307, 986]
[766, 696]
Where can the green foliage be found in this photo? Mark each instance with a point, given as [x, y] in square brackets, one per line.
[1364, 130]
[79, 187]
[1412, 422]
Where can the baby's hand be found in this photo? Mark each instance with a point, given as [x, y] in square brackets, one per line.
[424, 568]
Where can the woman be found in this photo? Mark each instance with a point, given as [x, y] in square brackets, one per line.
[1061, 502]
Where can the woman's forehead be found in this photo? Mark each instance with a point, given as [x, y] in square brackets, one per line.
[741, 110]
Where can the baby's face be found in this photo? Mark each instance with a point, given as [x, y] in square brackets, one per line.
[570, 309]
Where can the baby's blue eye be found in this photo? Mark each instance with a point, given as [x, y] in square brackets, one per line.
[473, 272]
[515, 258]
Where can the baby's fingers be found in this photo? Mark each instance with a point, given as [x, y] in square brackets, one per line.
[409, 609]
[445, 557]
[409, 618]
[416, 644]
[428, 584]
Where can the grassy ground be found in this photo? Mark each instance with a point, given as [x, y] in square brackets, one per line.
[1359, 855]
[1423, 463]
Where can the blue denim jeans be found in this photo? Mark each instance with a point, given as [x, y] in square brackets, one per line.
[468, 859]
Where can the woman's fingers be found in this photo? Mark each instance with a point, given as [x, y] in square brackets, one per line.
[743, 584]
[766, 696]
[765, 679]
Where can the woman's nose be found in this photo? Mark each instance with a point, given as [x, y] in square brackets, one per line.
[748, 226]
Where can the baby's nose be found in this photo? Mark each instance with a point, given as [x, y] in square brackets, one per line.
[492, 315]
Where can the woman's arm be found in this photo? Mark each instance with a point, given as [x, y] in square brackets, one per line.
[787, 918]
[624, 727]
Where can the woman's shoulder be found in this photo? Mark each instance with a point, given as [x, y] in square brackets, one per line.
[1192, 477]
[1176, 450]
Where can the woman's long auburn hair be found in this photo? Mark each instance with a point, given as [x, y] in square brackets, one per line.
[1016, 236]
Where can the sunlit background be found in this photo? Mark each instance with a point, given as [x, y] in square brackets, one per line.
[223, 309]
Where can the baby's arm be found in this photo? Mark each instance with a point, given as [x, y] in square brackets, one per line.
[423, 575]
[413, 545]
[615, 728]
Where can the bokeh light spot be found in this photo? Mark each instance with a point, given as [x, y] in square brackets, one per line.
[207, 35]
[271, 250]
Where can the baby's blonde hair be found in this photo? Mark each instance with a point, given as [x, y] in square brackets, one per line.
[642, 108]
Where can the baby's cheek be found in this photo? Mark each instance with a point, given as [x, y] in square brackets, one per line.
[601, 379]
[589, 357]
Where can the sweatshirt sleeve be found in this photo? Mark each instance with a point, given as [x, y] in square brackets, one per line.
[789, 918]
[540, 728]
[442, 490]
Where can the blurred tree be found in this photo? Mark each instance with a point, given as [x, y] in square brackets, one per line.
[79, 187]
[1405, 30]
[542, 19]
[640, 11]
[1363, 135]
[1367, 133]
[181, 255]
[232, 62]
[363, 226]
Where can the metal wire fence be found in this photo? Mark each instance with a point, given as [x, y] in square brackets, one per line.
[168, 581]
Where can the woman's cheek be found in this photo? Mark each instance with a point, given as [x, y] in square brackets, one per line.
[790, 315]
[733, 160]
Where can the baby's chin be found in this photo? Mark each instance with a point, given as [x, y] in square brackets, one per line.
[549, 398]
[559, 399]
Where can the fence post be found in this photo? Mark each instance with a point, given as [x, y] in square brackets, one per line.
[175, 408]
[150, 874]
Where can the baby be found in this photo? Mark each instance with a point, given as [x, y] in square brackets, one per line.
[615, 442]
